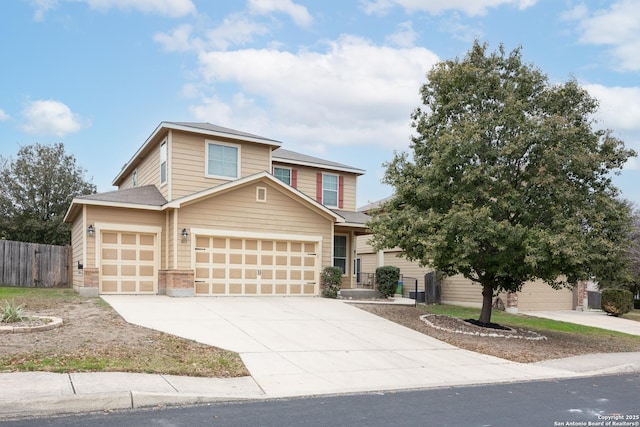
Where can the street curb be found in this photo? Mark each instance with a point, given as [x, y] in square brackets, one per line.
[104, 402]
[60, 405]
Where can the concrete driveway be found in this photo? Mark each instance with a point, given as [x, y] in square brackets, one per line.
[305, 346]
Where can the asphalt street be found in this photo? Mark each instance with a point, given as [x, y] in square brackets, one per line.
[595, 401]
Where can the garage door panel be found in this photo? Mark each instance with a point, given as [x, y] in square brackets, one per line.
[146, 271]
[109, 237]
[110, 254]
[109, 286]
[248, 266]
[147, 240]
[128, 286]
[146, 286]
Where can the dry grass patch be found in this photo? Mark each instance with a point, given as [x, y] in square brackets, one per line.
[95, 338]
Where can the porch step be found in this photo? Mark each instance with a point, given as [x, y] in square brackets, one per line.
[360, 294]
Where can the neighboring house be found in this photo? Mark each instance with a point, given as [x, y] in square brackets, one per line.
[456, 290]
[206, 210]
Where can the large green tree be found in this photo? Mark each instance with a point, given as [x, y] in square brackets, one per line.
[36, 190]
[507, 180]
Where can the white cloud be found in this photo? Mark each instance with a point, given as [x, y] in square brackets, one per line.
[617, 27]
[178, 40]
[405, 36]
[171, 8]
[619, 106]
[353, 93]
[471, 8]
[619, 110]
[299, 14]
[235, 30]
[42, 7]
[3, 116]
[49, 117]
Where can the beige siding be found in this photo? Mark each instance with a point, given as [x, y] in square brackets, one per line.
[534, 296]
[307, 177]
[350, 181]
[188, 170]
[238, 210]
[364, 247]
[407, 268]
[368, 263]
[148, 172]
[99, 214]
[457, 290]
[77, 247]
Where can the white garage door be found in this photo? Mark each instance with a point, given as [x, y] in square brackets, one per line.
[246, 266]
[128, 263]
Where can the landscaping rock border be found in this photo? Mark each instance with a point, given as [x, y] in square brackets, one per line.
[459, 326]
[55, 322]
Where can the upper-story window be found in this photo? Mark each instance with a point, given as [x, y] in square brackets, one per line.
[134, 178]
[283, 174]
[223, 160]
[163, 162]
[330, 190]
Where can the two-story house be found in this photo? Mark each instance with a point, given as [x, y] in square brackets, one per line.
[206, 210]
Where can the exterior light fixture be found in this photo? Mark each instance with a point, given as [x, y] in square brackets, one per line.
[90, 230]
[184, 234]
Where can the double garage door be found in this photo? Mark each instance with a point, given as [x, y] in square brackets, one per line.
[255, 266]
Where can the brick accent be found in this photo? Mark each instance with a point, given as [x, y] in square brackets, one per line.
[162, 282]
[512, 302]
[581, 295]
[178, 282]
[91, 277]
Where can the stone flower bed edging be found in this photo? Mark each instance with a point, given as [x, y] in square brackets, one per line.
[459, 326]
[25, 327]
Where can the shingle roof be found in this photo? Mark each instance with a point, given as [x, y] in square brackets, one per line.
[287, 156]
[219, 129]
[366, 208]
[352, 217]
[145, 195]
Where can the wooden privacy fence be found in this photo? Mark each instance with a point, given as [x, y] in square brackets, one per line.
[34, 265]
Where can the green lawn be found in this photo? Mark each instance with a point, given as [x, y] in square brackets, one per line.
[523, 321]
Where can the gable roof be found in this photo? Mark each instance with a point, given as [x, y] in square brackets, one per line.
[291, 157]
[197, 127]
[228, 186]
[215, 130]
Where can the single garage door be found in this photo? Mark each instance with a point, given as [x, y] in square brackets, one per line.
[128, 263]
[246, 266]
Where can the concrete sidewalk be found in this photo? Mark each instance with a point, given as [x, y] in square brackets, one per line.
[595, 318]
[292, 347]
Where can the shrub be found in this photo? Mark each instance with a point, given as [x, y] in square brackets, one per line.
[331, 281]
[617, 301]
[10, 312]
[387, 278]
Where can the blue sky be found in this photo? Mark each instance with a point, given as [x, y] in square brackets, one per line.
[337, 79]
